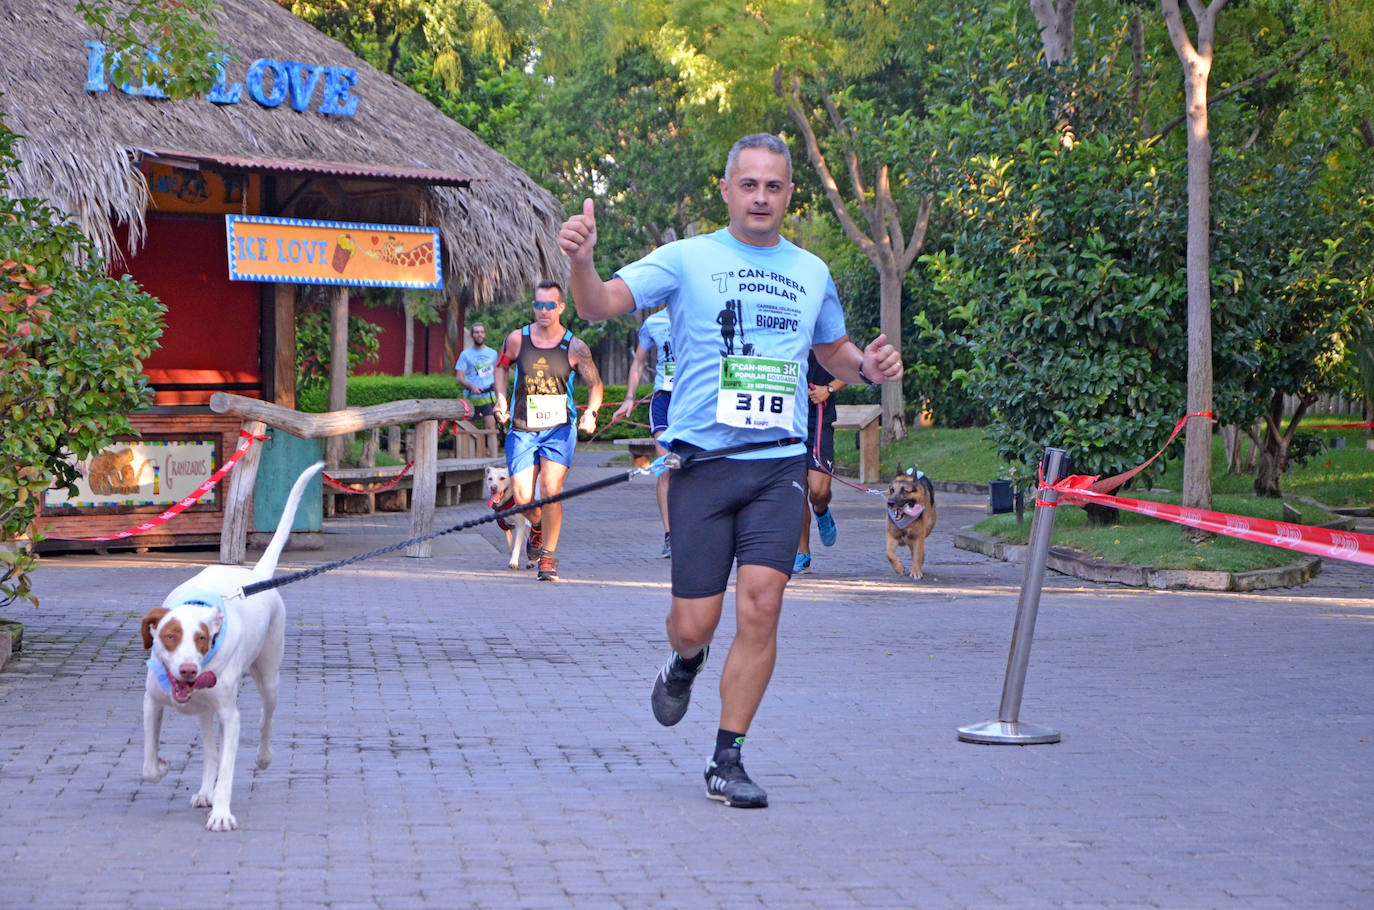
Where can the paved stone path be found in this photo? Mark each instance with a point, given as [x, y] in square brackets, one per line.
[452, 734]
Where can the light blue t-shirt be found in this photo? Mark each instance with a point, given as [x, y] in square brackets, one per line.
[743, 319]
[656, 334]
[478, 366]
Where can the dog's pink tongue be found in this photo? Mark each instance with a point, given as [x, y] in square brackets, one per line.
[205, 680]
[914, 510]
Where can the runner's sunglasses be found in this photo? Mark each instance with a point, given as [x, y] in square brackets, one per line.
[546, 304]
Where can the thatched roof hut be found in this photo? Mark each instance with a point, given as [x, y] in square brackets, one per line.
[396, 160]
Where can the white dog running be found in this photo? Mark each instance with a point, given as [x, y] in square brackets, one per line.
[500, 496]
[202, 642]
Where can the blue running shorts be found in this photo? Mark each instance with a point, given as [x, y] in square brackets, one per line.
[554, 444]
[658, 411]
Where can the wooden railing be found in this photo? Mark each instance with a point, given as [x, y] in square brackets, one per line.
[257, 415]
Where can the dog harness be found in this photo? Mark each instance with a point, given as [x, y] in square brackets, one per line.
[207, 679]
[502, 506]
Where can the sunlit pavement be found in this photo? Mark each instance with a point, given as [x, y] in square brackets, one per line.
[453, 734]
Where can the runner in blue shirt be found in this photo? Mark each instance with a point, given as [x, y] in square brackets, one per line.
[655, 337]
[745, 307]
[476, 373]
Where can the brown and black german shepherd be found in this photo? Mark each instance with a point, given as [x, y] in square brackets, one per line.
[910, 518]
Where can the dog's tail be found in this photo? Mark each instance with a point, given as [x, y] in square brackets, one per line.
[267, 565]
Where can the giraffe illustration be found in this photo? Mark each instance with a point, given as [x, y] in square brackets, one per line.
[392, 250]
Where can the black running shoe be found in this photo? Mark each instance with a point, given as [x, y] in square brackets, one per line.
[548, 566]
[673, 690]
[534, 544]
[727, 781]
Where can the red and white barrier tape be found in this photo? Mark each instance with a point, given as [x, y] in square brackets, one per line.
[341, 487]
[184, 504]
[1347, 545]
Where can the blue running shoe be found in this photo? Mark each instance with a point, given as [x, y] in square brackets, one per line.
[802, 564]
[825, 523]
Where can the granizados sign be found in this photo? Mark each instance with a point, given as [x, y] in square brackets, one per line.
[269, 82]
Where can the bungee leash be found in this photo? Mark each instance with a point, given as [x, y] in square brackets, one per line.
[830, 468]
[268, 584]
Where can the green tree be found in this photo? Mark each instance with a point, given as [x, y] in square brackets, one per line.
[65, 385]
[167, 47]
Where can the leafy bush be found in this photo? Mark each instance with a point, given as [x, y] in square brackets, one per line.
[72, 342]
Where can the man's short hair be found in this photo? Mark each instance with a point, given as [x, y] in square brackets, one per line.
[476, 326]
[766, 141]
[546, 284]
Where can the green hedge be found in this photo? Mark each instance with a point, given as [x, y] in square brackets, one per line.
[364, 391]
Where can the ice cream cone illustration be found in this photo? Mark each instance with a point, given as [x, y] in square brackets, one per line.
[342, 252]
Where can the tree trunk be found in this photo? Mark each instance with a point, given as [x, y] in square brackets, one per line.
[885, 242]
[407, 367]
[1233, 442]
[1056, 28]
[1197, 66]
[890, 324]
[338, 370]
[1269, 468]
[1272, 455]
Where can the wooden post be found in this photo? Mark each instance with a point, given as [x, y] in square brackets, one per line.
[868, 453]
[284, 357]
[338, 370]
[238, 503]
[426, 455]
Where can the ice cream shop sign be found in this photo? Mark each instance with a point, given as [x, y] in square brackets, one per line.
[268, 82]
[296, 251]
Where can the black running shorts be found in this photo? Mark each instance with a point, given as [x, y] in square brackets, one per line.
[730, 510]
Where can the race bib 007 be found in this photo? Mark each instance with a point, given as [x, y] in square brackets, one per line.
[545, 411]
[757, 393]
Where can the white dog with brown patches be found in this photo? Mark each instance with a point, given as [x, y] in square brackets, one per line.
[203, 640]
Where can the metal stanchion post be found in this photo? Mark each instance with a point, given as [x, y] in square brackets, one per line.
[1008, 729]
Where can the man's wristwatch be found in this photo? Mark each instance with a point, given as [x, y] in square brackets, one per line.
[828, 389]
[866, 380]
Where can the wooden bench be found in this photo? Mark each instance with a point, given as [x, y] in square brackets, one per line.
[470, 440]
[456, 479]
[642, 451]
[864, 418]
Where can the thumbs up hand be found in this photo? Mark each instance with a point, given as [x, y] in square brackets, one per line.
[577, 236]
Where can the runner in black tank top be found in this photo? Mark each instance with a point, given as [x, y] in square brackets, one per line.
[544, 421]
[544, 375]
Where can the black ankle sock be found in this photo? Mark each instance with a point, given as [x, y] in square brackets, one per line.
[694, 663]
[728, 739]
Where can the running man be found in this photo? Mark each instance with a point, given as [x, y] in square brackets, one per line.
[655, 336]
[820, 459]
[543, 436]
[476, 373]
[750, 403]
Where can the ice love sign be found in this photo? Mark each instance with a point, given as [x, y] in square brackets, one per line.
[269, 82]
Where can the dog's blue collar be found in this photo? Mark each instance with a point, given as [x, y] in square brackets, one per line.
[201, 598]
